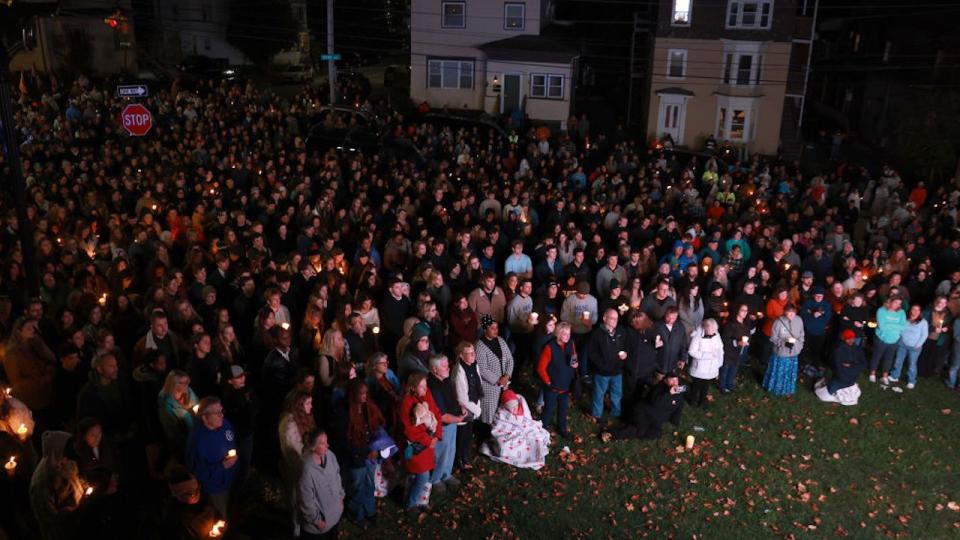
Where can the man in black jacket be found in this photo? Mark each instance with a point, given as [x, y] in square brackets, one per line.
[673, 354]
[646, 418]
[607, 352]
[849, 362]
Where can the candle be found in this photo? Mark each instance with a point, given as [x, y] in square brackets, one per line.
[745, 340]
[89, 491]
[586, 314]
[759, 314]
[285, 326]
[786, 266]
[872, 324]
[11, 466]
[706, 268]
[231, 453]
[22, 431]
[534, 317]
[7, 391]
[196, 409]
[376, 329]
[690, 441]
[217, 530]
[153, 207]
[791, 341]
[622, 355]
[623, 308]
[103, 299]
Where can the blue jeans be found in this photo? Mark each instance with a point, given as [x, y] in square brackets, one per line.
[601, 383]
[728, 372]
[883, 355]
[418, 483]
[912, 356]
[953, 369]
[443, 454]
[554, 400]
[361, 503]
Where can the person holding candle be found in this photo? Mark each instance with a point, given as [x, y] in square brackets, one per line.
[645, 418]
[31, 367]
[891, 321]
[786, 340]
[912, 338]
[934, 354]
[521, 321]
[187, 515]
[608, 350]
[774, 310]
[56, 488]
[854, 316]
[580, 312]
[207, 447]
[736, 346]
[175, 405]
[706, 357]
[557, 368]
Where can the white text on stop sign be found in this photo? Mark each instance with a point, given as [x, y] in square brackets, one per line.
[130, 120]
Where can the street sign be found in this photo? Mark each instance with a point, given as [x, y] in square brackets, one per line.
[333, 57]
[133, 90]
[136, 119]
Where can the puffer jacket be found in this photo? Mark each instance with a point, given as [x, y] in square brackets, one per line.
[706, 355]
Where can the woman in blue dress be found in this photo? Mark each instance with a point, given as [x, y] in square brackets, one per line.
[786, 337]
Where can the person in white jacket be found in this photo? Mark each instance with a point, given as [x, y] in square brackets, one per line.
[706, 357]
[466, 380]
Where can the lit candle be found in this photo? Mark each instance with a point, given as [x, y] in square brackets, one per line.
[622, 355]
[623, 308]
[872, 324]
[285, 326]
[586, 314]
[22, 431]
[217, 530]
[706, 268]
[103, 299]
[7, 391]
[534, 316]
[153, 207]
[376, 329]
[791, 341]
[745, 340]
[231, 453]
[690, 441]
[786, 266]
[196, 409]
[89, 491]
[11, 466]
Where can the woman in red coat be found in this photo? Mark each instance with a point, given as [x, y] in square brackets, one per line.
[463, 322]
[421, 438]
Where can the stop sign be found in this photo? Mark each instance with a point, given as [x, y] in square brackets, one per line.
[136, 119]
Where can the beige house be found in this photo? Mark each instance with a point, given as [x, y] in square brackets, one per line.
[489, 55]
[722, 69]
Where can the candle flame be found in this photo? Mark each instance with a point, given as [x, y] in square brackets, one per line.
[285, 326]
[196, 409]
[217, 530]
[7, 391]
[376, 329]
[89, 491]
[22, 430]
[11, 464]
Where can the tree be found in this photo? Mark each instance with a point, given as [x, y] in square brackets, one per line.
[261, 28]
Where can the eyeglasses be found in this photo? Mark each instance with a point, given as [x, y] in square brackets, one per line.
[214, 413]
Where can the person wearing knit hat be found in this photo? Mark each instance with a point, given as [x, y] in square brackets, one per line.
[849, 362]
[418, 353]
[516, 438]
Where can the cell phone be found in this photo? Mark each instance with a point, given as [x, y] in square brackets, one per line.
[681, 389]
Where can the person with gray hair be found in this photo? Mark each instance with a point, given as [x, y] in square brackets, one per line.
[706, 357]
[444, 392]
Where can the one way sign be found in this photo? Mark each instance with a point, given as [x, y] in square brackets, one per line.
[133, 90]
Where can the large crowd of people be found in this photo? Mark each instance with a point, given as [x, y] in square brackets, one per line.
[219, 302]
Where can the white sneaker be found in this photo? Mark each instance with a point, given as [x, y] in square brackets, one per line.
[893, 381]
[884, 380]
[873, 378]
[911, 386]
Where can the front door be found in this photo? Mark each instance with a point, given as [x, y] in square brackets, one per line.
[672, 119]
[511, 93]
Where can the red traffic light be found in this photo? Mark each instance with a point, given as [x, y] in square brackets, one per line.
[112, 22]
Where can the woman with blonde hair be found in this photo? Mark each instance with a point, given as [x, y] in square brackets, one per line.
[332, 351]
[175, 404]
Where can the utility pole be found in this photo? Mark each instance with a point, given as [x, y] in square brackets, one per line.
[633, 50]
[17, 184]
[331, 64]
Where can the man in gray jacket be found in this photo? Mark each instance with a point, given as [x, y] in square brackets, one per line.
[321, 490]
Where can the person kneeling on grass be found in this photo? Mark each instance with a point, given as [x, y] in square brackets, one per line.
[517, 439]
[849, 361]
[645, 418]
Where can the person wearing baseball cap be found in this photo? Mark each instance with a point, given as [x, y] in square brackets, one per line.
[849, 362]
[242, 406]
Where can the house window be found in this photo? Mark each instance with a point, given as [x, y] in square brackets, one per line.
[681, 13]
[546, 86]
[749, 14]
[513, 16]
[734, 118]
[454, 15]
[741, 66]
[449, 74]
[676, 64]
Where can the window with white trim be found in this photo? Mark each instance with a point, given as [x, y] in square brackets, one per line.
[735, 118]
[676, 64]
[513, 15]
[449, 74]
[453, 14]
[750, 14]
[546, 86]
[681, 13]
[742, 63]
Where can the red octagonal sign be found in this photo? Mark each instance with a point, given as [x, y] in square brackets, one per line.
[136, 119]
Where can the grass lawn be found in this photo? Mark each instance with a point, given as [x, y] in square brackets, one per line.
[763, 467]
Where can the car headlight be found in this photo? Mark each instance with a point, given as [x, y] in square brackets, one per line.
[228, 72]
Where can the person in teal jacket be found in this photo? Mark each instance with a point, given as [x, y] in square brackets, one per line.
[891, 320]
[739, 240]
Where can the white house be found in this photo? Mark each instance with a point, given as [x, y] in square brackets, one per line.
[489, 55]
